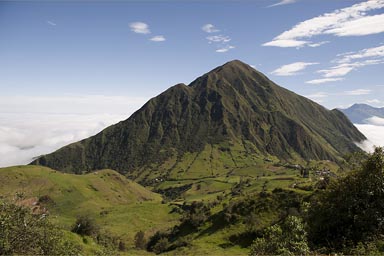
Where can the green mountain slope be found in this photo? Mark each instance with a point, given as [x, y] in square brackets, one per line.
[119, 205]
[229, 118]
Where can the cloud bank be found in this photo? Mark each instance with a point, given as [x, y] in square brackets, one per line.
[32, 126]
[373, 129]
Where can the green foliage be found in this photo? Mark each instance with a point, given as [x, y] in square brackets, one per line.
[85, 225]
[161, 246]
[140, 241]
[196, 214]
[289, 238]
[351, 210]
[24, 233]
[158, 242]
[373, 248]
[280, 202]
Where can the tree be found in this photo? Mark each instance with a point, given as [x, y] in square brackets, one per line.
[24, 233]
[140, 242]
[289, 238]
[351, 210]
[161, 245]
[85, 225]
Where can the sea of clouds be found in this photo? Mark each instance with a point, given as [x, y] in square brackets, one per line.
[373, 129]
[33, 126]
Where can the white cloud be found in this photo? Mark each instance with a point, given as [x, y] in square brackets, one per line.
[373, 101]
[25, 136]
[345, 68]
[375, 52]
[317, 44]
[286, 43]
[51, 23]
[348, 21]
[218, 39]
[140, 27]
[283, 2]
[375, 120]
[158, 39]
[350, 61]
[374, 134]
[292, 69]
[209, 28]
[225, 48]
[360, 27]
[358, 92]
[324, 80]
[32, 126]
[339, 70]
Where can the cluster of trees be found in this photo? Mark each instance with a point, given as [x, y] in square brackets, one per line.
[347, 217]
[23, 232]
[288, 238]
[349, 214]
[85, 225]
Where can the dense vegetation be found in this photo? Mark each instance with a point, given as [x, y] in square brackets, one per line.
[350, 212]
[24, 233]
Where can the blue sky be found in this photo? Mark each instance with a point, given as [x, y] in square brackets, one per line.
[88, 47]
[109, 57]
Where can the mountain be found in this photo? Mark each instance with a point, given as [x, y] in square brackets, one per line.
[359, 113]
[231, 117]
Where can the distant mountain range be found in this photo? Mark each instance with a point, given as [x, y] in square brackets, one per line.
[359, 113]
[229, 118]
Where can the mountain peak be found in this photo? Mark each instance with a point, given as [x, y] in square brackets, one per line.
[235, 65]
[359, 113]
[234, 74]
[232, 112]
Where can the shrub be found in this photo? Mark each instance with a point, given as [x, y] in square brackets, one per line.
[289, 238]
[161, 245]
[140, 242]
[85, 225]
[23, 233]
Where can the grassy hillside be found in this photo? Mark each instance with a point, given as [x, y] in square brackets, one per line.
[120, 206]
[123, 207]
